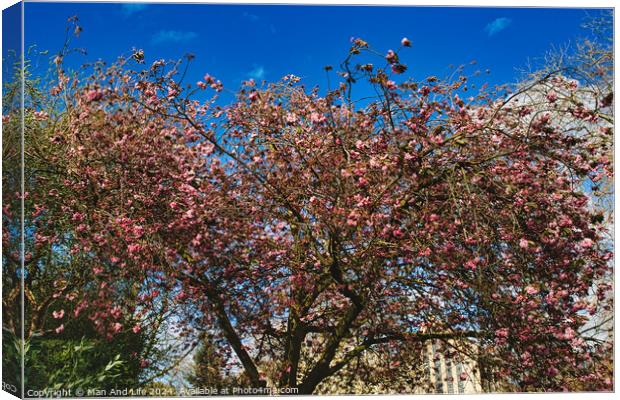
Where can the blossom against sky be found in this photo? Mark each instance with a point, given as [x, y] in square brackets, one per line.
[238, 42]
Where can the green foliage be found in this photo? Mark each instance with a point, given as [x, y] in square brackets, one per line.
[11, 360]
[85, 363]
[210, 369]
[207, 367]
[77, 356]
[76, 361]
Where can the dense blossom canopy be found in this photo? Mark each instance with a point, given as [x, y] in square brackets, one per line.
[302, 231]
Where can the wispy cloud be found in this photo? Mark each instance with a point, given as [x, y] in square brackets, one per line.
[251, 17]
[132, 8]
[497, 25]
[257, 73]
[172, 37]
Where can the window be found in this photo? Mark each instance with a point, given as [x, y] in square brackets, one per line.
[449, 376]
[438, 377]
[459, 371]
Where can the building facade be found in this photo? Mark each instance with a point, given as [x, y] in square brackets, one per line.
[449, 375]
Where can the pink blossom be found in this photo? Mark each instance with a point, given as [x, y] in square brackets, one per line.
[569, 333]
[208, 79]
[391, 57]
[531, 290]
[552, 371]
[134, 248]
[94, 95]
[524, 244]
[317, 117]
[117, 327]
[58, 314]
[471, 264]
[391, 85]
[217, 86]
[136, 328]
[60, 328]
[425, 252]
[181, 295]
[138, 231]
[77, 217]
[291, 118]
[116, 312]
[41, 115]
[577, 342]
[586, 243]
[502, 333]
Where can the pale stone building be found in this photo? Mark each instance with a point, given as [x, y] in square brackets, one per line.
[449, 375]
[421, 372]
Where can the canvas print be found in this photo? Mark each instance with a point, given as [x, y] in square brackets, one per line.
[232, 199]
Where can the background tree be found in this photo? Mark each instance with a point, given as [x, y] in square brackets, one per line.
[211, 371]
[61, 346]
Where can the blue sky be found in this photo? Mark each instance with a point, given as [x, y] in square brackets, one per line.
[11, 23]
[237, 42]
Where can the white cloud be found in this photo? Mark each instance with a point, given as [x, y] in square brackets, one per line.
[497, 25]
[132, 8]
[257, 73]
[172, 36]
[251, 17]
